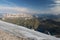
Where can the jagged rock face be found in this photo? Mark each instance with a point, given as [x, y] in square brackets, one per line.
[19, 16]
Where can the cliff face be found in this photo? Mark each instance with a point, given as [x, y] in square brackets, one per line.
[21, 15]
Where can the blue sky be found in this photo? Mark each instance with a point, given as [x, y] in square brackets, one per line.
[30, 6]
[36, 4]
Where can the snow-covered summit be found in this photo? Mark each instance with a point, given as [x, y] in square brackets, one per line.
[21, 31]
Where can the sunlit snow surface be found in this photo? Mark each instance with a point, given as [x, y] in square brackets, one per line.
[21, 31]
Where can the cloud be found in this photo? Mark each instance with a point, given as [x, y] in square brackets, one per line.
[16, 9]
[56, 8]
[8, 9]
[13, 9]
[57, 1]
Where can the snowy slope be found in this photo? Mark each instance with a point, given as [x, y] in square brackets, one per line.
[21, 31]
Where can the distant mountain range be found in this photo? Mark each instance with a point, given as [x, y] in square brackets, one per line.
[42, 16]
[47, 16]
[1, 15]
[44, 23]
